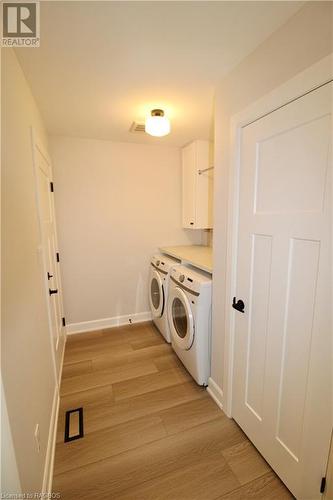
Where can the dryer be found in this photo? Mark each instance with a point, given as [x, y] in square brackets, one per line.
[160, 267]
[189, 316]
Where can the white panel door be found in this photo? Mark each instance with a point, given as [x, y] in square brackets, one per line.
[49, 251]
[282, 381]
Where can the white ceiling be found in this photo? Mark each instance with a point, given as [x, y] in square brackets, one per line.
[102, 64]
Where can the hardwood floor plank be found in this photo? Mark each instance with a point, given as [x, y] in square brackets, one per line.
[267, 487]
[144, 384]
[168, 361]
[134, 329]
[110, 376]
[110, 414]
[107, 442]
[86, 398]
[148, 342]
[197, 481]
[190, 414]
[81, 338]
[105, 479]
[246, 462]
[110, 339]
[91, 350]
[106, 360]
[78, 368]
[133, 332]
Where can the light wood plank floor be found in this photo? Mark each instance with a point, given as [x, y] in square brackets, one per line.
[150, 433]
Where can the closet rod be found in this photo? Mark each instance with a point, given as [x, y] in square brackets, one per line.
[205, 170]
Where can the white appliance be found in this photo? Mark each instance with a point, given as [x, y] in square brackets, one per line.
[160, 267]
[189, 315]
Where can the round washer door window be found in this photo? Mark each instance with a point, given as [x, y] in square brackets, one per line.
[181, 319]
[156, 295]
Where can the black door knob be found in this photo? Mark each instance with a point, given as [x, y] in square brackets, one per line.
[239, 305]
[51, 292]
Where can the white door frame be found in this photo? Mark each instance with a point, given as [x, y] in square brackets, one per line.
[37, 144]
[306, 81]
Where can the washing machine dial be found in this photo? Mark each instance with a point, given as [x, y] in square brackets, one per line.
[158, 262]
[181, 278]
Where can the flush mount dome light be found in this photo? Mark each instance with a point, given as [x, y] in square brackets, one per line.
[157, 124]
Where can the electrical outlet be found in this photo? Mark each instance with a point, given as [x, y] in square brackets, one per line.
[37, 438]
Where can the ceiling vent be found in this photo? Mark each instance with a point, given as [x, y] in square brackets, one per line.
[138, 127]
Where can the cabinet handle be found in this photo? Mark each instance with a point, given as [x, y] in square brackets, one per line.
[51, 292]
[192, 223]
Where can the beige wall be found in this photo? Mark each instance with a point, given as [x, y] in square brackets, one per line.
[9, 477]
[303, 40]
[26, 361]
[116, 203]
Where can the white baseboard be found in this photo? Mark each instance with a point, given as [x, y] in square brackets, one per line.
[100, 324]
[51, 444]
[215, 392]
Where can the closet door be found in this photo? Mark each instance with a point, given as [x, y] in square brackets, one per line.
[282, 392]
[49, 249]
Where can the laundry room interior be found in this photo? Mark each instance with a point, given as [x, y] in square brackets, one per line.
[166, 250]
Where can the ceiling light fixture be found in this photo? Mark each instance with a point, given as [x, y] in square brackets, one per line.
[157, 124]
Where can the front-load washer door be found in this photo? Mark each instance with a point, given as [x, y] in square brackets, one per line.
[156, 295]
[180, 319]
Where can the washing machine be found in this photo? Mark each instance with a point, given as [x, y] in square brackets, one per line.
[189, 315]
[160, 267]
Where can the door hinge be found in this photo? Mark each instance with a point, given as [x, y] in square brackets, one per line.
[63, 322]
[51, 187]
[58, 258]
[323, 484]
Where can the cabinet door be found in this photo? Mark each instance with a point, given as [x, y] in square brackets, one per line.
[203, 187]
[189, 185]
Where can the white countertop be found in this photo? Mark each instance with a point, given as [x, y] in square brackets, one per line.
[196, 255]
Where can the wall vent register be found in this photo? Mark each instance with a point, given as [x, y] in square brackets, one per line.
[138, 127]
[74, 425]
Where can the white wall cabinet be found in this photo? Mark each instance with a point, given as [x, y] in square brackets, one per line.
[197, 188]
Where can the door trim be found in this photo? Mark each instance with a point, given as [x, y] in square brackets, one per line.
[313, 77]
